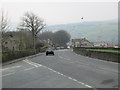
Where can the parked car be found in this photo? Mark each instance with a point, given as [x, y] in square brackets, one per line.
[62, 47]
[49, 51]
[57, 48]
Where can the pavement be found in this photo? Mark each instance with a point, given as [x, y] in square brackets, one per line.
[63, 70]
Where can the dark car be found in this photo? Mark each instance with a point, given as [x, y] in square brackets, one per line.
[49, 51]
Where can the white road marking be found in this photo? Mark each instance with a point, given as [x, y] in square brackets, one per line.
[30, 62]
[63, 57]
[8, 74]
[11, 68]
[28, 69]
[69, 77]
[60, 56]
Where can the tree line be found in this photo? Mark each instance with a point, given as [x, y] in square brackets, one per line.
[58, 38]
[28, 33]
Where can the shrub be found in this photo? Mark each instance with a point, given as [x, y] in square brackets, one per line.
[10, 55]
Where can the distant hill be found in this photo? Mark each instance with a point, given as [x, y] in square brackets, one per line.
[93, 31]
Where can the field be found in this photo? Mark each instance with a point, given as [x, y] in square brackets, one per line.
[104, 50]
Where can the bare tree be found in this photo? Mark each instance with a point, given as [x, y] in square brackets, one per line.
[3, 23]
[4, 26]
[32, 23]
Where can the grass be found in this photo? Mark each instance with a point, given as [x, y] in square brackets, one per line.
[104, 50]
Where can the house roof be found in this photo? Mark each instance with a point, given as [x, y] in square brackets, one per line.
[99, 43]
[79, 40]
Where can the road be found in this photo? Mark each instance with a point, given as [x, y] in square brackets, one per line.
[64, 70]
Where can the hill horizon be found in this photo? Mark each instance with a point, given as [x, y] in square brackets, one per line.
[94, 31]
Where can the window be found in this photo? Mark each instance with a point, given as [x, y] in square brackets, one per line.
[6, 42]
[13, 48]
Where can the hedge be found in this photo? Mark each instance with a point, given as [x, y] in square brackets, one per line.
[11, 55]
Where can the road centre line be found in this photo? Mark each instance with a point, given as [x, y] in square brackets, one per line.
[69, 77]
[28, 69]
[88, 86]
[63, 57]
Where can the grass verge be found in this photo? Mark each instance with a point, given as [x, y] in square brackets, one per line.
[104, 50]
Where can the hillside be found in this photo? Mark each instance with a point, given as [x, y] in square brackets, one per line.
[93, 31]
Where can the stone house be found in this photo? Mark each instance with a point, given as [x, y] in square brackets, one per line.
[10, 44]
[100, 44]
[83, 42]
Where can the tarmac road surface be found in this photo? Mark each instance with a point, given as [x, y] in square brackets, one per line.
[63, 70]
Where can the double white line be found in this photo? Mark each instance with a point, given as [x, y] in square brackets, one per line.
[32, 63]
[38, 65]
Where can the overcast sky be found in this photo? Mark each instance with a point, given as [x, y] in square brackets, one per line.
[63, 12]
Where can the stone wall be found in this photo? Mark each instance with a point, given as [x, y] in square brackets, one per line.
[108, 56]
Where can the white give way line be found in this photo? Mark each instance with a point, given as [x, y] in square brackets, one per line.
[7, 74]
[32, 63]
[8, 69]
[38, 65]
[11, 68]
